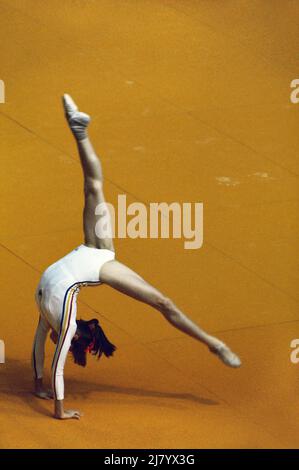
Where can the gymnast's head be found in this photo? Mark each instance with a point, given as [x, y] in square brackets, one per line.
[90, 337]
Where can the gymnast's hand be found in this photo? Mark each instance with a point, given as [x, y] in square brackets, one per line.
[44, 394]
[41, 392]
[69, 414]
[61, 413]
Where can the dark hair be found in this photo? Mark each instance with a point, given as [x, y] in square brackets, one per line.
[91, 338]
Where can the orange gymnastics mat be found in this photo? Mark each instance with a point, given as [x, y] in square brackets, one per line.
[190, 102]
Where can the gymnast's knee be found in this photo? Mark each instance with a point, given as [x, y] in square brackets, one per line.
[93, 186]
[164, 304]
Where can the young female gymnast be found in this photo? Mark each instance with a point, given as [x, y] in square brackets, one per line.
[93, 263]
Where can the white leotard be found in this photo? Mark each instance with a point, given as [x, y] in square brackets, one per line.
[56, 297]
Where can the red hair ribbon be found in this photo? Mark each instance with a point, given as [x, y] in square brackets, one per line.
[90, 346]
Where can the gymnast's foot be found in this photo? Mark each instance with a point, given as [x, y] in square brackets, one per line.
[226, 355]
[77, 120]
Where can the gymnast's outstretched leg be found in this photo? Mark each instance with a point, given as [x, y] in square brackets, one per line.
[113, 273]
[93, 177]
[123, 279]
